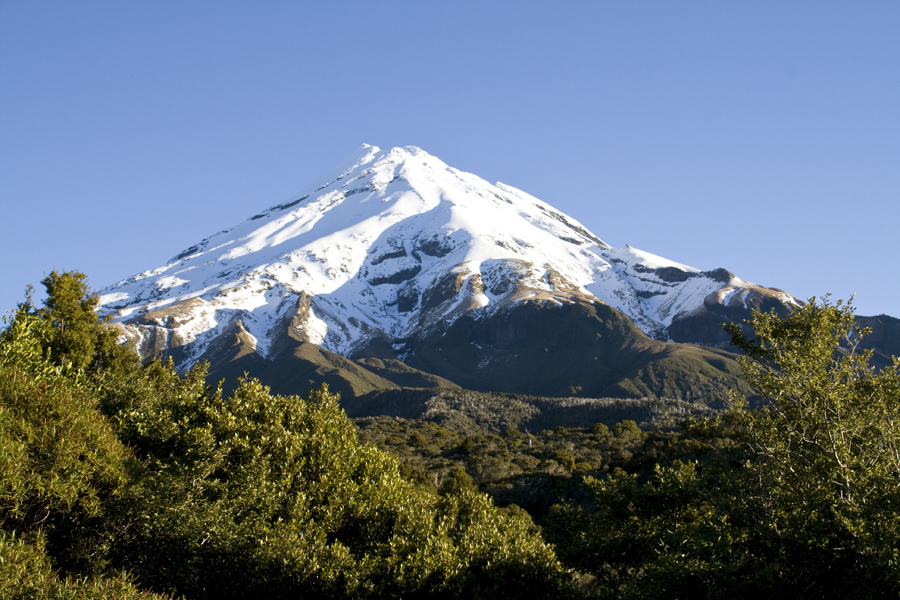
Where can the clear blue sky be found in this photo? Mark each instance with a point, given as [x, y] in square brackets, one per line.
[763, 137]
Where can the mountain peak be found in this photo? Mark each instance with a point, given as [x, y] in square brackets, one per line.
[388, 244]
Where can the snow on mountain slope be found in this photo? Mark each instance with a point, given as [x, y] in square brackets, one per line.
[388, 244]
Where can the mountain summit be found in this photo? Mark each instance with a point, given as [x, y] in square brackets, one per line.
[392, 251]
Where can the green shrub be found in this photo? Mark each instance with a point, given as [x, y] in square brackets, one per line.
[60, 459]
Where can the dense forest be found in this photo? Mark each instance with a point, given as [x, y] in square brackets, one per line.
[129, 480]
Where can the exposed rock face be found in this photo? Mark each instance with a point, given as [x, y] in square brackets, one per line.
[298, 327]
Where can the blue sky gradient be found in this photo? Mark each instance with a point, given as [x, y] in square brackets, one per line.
[761, 137]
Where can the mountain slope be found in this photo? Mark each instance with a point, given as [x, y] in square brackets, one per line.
[578, 349]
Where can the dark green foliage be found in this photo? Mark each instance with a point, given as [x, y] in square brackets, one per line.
[471, 412]
[75, 335]
[456, 481]
[661, 526]
[59, 458]
[70, 310]
[533, 471]
[27, 574]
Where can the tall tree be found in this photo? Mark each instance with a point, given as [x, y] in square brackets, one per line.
[801, 500]
[825, 449]
[79, 336]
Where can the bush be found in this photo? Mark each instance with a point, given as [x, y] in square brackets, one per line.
[26, 574]
[262, 495]
[60, 459]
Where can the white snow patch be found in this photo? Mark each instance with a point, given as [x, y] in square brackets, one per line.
[114, 297]
[480, 300]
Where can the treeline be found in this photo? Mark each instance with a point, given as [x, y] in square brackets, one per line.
[472, 412]
[128, 480]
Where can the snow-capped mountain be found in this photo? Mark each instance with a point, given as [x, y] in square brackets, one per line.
[393, 244]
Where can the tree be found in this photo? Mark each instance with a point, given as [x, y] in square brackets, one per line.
[800, 500]
[59, 457]
[674, 534]
[825, 448]
[78, 334]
